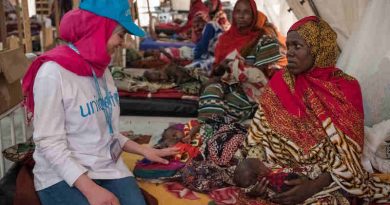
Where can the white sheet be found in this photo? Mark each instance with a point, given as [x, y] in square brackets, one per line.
[366, 56]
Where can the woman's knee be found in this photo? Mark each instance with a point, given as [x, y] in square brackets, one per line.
[214, 89]
[62, 194]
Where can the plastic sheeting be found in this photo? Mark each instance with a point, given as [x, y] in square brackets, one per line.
[300, 9]
[366, 56]
[278, 13]
[343, 16]
[158, 107]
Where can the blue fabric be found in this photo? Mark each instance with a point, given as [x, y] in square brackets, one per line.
[118, 10]
[125, 189]
[149, 43]
[202, 46]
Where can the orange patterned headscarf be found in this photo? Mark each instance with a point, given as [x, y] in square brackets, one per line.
[296, 106]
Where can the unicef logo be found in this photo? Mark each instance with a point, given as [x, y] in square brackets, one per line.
[128, 12]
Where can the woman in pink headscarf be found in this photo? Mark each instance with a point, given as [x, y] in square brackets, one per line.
[75, 104]
[195, 7]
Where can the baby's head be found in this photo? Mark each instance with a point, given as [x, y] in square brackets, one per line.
[156, 76]
[248, 172]
[177, 74]
[171, 136]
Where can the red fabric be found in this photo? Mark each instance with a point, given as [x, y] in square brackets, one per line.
[195, 7]
[90, 34]
[180, 191]
[25, 190]
[302, 21]
[218, 4]
[167, 26]
[239, 39]
[186, 152]
[200, 18]
[147, 165]
[162, 93]
[334, 95]
[225, 196]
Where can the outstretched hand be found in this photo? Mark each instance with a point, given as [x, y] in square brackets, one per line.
[222, 68]
[156, 155]
[302, 190]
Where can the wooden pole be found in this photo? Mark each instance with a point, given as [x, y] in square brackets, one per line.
[134, 11]
[26, 26]
[57, 16]
[3, 28]
[19, 22]
[75, 3]
[149, 12]
[43, 37]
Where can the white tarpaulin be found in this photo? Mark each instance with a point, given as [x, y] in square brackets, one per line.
[366, 56]
[343, 16]
[278, 13]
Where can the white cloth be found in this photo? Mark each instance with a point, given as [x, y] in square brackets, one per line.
[278, 13]
[376, 144]
[343, 16]
[300, 10]
[366, 56]
[70, 129]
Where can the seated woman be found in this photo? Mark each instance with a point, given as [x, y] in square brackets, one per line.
[250, 44]
[310, 120]
[195, 7]
[183, 55]
[204, 49]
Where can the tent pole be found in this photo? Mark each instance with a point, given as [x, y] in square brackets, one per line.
[314, 8]
[3, 28]
[149, 12]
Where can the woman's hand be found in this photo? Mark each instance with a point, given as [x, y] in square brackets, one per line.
[222, 68]
[95, 194]
[260, 189]
[156, 155]
[101, 196]
[302, 190]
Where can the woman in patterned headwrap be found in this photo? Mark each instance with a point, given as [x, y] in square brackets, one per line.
[310, 118]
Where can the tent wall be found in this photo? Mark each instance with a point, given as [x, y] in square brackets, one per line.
[366, 56]
[343, 16]
[278, 13]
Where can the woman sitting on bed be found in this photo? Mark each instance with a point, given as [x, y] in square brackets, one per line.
[206, 28]
[195, 7]
[204, 49]
[251, 44]
[310, 121]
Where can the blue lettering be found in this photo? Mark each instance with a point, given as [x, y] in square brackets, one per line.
[82, 111]
[112, 99]
[98, 104]
[116, 97]
[93, 109]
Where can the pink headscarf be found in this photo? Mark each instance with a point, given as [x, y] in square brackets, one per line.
[89, 33]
